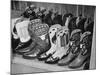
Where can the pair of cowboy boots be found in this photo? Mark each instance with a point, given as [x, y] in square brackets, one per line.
[59, 50]
[81, 55]
[39, 36]
[60, 46]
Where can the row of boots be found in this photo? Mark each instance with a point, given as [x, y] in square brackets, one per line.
[58, 44]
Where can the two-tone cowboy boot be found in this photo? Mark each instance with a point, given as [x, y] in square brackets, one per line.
[24, 47]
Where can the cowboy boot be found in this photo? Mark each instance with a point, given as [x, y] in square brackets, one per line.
[61, 50]
[52, 35]
[73, 49]
[85, 51]
[39, 37]
[25, 39]
[40, 47]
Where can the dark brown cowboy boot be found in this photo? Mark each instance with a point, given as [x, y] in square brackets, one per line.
[85, 51]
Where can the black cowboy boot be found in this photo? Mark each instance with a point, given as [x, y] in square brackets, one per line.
[27, 49]
[23, 47]
[32, 53]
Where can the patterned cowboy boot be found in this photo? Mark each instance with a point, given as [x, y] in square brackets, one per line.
[61, 50]
[39, 33]
[85, 51]
[73, 48]
[52, 35]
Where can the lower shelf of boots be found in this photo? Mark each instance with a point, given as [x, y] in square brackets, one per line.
[40, 65]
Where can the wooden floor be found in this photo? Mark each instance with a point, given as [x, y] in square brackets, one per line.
[20, 65]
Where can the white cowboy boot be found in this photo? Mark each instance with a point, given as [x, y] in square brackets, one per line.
[61, 50]
[22, 32]
[52, 33]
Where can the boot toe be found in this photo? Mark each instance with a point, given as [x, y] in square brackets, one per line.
[43, 57]
[63, 62]
[52, 60]
[29, 56]
[74, 64]
[23, 51]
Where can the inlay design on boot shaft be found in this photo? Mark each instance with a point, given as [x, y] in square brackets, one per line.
[85, 47]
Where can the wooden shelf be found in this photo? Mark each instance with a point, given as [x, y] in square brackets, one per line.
[41, 64]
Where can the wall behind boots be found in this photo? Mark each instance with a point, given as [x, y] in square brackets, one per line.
[86, 11]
